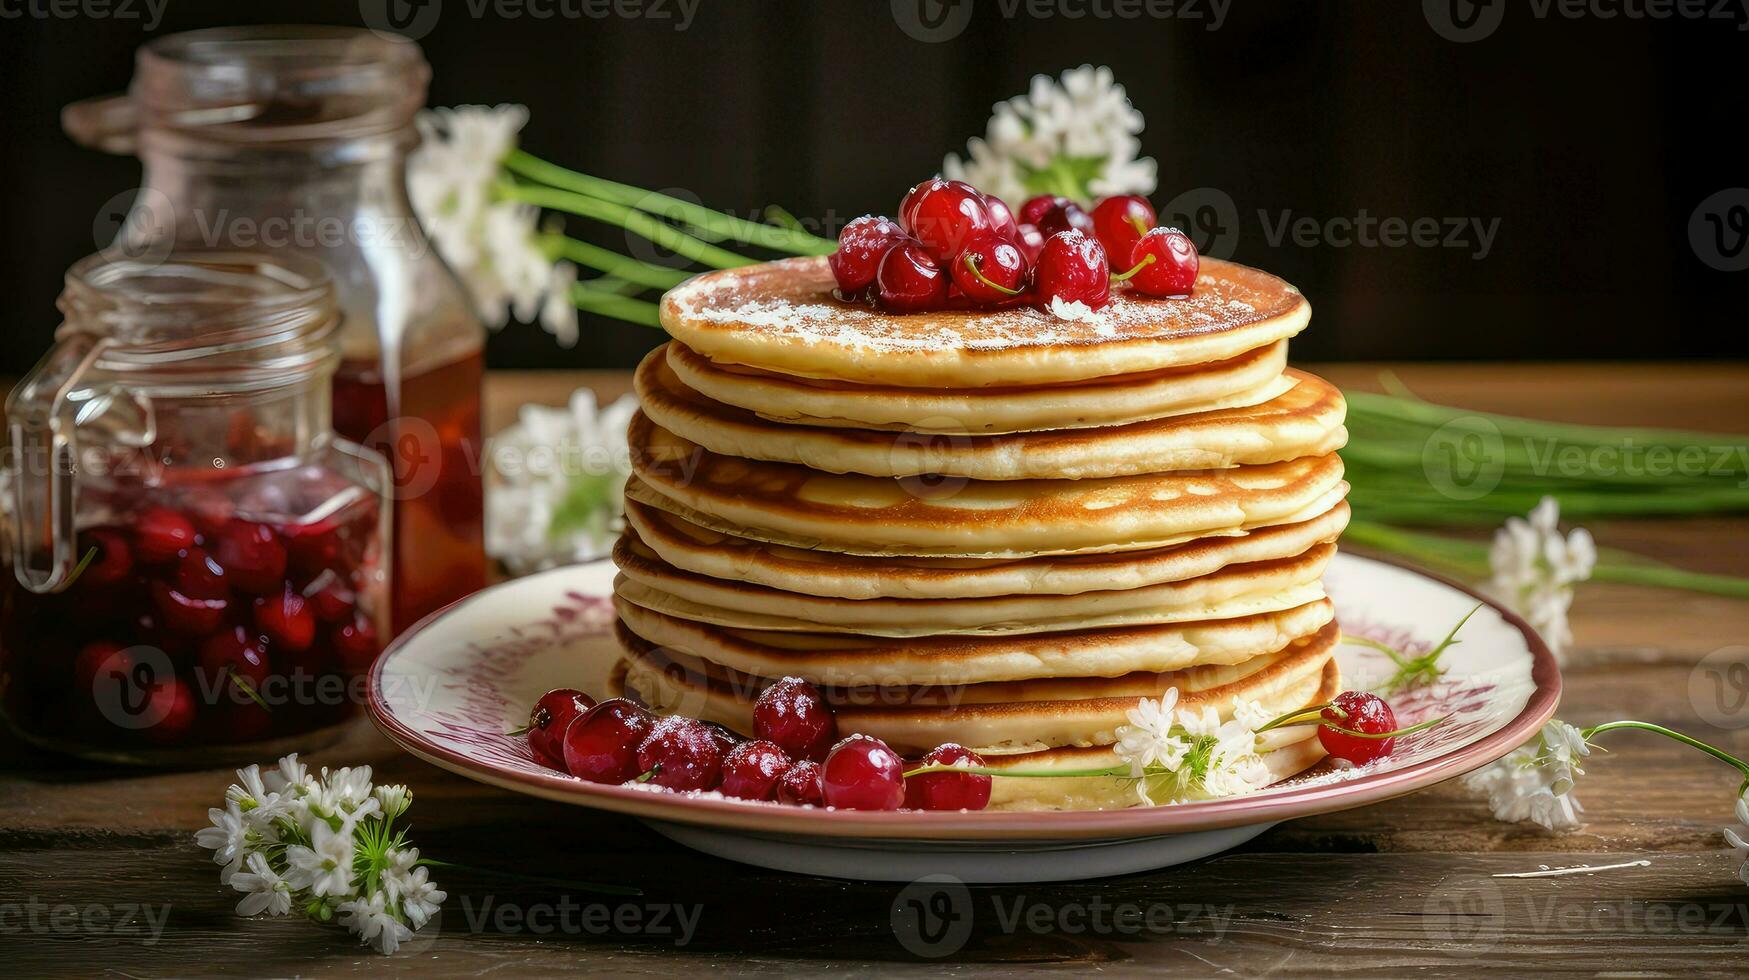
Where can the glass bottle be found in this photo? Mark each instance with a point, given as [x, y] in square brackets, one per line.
[195, 562]
[295, 139]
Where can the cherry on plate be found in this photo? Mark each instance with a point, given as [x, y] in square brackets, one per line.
[1031, 242]
[942, 214]
[1164, 263]
[862, 773]
[1120, 221]
[990, 269]
[1002, 220]
[547, 722]
[800, 785]
[861, 246]
[681, 753]
[794, 714]
[948, 790]
[751, 770]
[1357, 711]
[602, 743]
[1072, 268]
[909, 280]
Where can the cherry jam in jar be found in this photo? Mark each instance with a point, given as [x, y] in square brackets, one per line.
[197, 566]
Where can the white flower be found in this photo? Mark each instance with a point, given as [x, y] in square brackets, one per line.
[409, 883]
[1148, 740]
[265, 890]
[227, 838]
[325, 867]
[1071, 309]
[1250, 713]
[492, 245]
[1235, 768]
[1535, 782]
[374, 921]
[393, 801]
[1738, 837]
[1178, 753]
[1200, 723]
[558, 314]
[290, 774]
[1535, 569]
[1076, 137]
[343, 791]
[558, 478]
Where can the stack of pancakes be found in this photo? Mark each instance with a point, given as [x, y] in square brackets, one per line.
[991, 527]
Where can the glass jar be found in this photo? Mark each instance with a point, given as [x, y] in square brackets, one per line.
[196, 563]
[295, 139]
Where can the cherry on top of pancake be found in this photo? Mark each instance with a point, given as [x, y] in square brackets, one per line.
[783, 316]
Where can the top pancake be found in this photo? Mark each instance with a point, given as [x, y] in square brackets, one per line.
[783, 316]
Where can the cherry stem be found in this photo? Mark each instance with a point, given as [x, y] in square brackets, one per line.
[1147, 260]
[1646, 726]
[972, 267]
[1139, 225]
[1412, 729]
[1288, 719]
[646, 777]
[248, 689]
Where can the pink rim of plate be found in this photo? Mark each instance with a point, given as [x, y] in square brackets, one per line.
[1269, 806]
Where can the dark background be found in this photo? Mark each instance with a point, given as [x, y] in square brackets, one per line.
[1591, 140]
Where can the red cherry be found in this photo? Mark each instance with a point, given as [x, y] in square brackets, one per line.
[286, 620]
[942, 214]
[111, 559]
[751, 770]
[1120, 221]
[793, 714]
[948, 790]
[100, 662]
[1360, 712]
[1067, 216]
[998, 262]
[861, 246]
[172, 703]
[800, 785]
[725, 738]
[161, 534]
[199, 576]
[552, 714]
[357, 644]
[682, 754]
[330, 598]
[314, 548]
[185, 613]
[1035, 207]
[1171, 263]
[601, 745]
[237, 652]
[1002, 220]
[253, 555]
[861, 773]
[909, 280]
[208, 509]
[1031, 243]
[1072, 268]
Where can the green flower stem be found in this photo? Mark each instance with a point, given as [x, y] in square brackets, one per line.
[619, 307]
[646, 274]
[779, 239]
[632, 220]
[1646, 726]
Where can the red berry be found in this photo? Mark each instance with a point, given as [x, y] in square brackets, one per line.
[909, 280]
[208, 509]
[100, 662]
[861, 773]
[1002, 220]
[997, 260]
[602, 743]
[161, 534]
[357, 644]
[793, 714]
[725, 738]
[314, 548]
[1121, 221]
[751, 770]
[1171, 263]
[1031, 243]
[233, 652]
[330, 598]
[286, 620]
[682, 753]
[1072, 268]
[948, 790]
[198, 575]
[111, 559]
[185, 613]
[942, 214]
[1052, 214]
[1035, 207]
[172, 704]
[861, 246]
[253, 555]
[800, 785]
[1360, 712]
[552, 714]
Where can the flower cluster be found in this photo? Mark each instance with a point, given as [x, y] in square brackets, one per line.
[1075, 137]
[324, 845]
[491, 243]
[1535, 781]
[558, 474]
[1535, 568]
[1738, 836]
[1177, 754]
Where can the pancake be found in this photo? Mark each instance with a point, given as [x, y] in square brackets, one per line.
[1305, 420]
[990, 718]
[1248, 379]
[693, 548]
[794, 505]
[783, 316]
[844, 660]
[1236, 590]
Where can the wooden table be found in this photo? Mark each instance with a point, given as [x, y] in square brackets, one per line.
[1406, 886]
